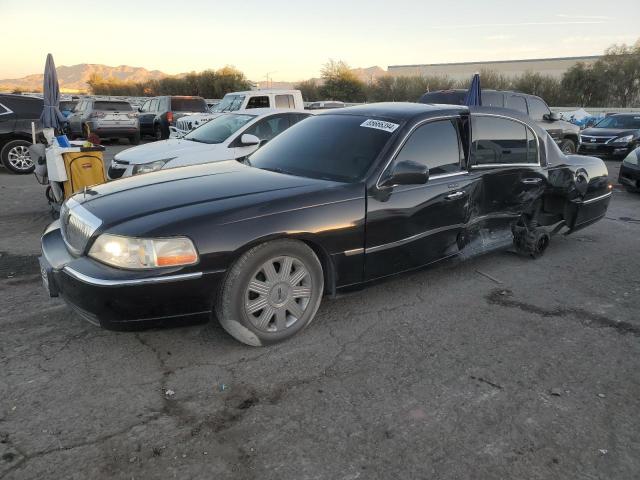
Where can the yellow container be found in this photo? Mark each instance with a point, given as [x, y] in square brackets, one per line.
[84, 169]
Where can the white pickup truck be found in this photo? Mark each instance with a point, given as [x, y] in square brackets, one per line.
[235, 101]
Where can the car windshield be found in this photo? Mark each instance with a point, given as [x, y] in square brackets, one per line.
[218, 129]
[113, 106]
[230, 103]
[622, 122]
[331, 147]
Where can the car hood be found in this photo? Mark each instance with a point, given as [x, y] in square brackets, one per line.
[608, 132]
[164, 149]
[237, 184]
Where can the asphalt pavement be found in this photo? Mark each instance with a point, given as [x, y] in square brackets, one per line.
[496, 367]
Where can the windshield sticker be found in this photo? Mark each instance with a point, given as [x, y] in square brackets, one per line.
[380, 125]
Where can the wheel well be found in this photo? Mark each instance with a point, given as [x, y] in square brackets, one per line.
[14, 136]
[573, 137]
[328, 268]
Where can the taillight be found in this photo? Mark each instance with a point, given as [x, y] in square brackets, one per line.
[96, 114]
[170, 117]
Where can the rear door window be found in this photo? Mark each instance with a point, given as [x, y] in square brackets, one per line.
[258, 102]
[516, 102]
[435, 145]
[492, 99]
[498, 140]
[284, 101]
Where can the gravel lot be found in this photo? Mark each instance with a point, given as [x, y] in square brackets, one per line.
[441, 374]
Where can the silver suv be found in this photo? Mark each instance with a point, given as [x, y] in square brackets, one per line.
[105, 118]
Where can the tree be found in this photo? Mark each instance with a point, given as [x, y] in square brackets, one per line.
[620, 66]
[309, 89]
[340, 83]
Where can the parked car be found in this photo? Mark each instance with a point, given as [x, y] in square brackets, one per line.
[613, 136]
[105, 118]
[325, 105]
[16, 114]
[337, 200]
[288, 99]
[66, 107]
[159, 113]
[630, 171]
[230, 136]
[565, 134]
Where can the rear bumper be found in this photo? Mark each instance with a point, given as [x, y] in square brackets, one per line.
[114, 298]
[629, 175]
[116, 132]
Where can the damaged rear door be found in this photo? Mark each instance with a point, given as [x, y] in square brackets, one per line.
[506, 154]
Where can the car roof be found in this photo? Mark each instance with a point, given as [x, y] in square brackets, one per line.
[397, 110]
[265, 91]
[266, 111]
[463, 90]
[625, 115]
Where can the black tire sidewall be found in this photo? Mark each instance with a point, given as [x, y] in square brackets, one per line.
[4, 155]
[568, 141]
[230, 303]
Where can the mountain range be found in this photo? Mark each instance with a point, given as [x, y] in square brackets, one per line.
[73, 79]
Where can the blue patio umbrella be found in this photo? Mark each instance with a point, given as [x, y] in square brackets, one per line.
[474, 95]
[51, 116]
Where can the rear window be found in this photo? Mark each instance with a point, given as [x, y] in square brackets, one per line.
[447, 98]
[23, 107]
[188, 105]
[113, 106]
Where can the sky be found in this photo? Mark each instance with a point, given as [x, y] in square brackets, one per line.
[291, 40]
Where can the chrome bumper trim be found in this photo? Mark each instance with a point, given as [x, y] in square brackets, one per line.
[596, 199]
[140, 281]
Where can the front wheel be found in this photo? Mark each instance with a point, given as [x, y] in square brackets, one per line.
[158, 132]
[16, 157]
[271, 293]
[568, 146]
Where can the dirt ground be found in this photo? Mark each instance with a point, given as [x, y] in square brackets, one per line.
[498, 367]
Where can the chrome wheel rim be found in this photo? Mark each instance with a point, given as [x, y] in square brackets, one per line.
[278, 294]
[20, 158]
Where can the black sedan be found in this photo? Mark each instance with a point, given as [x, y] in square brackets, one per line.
[630, 171]
[613, 136]
[338, 200]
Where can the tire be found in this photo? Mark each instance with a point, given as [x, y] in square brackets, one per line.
[158, 132]
[135, 139]
[16, 157]
[531, 241]
[568, 146]
[258, 305]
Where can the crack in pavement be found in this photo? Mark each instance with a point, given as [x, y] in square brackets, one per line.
[503, 298]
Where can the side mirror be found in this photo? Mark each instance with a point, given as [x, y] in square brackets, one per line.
[247, 140]
[407, 172]
[551, 117]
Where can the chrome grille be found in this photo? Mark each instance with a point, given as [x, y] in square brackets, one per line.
[77, 225]
[593, 139]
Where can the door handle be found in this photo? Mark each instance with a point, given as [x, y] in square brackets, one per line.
[453, 196]
[531, 181]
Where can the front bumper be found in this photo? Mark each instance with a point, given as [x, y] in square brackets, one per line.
[629, 175]
[114, 298]
[605, 150]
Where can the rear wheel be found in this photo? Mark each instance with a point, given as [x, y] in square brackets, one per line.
[531, 241]
[158, 132]
[568, 146]
[271, 293]
[16, 157]
[135, 139]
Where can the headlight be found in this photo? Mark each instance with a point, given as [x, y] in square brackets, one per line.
[140, 253]
[632, 158]
[150, 167]
[625, 139]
